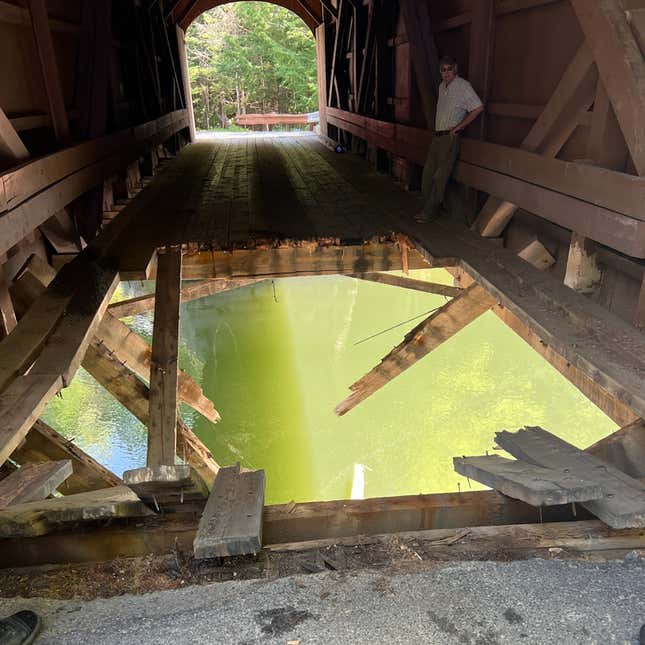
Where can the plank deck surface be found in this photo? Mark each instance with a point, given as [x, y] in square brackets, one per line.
[33, 482]
[231, 523]
[529, 483]
[623, 504]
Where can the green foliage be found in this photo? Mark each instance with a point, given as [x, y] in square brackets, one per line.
[250, 57]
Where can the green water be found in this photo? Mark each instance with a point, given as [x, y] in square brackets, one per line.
[277, 361]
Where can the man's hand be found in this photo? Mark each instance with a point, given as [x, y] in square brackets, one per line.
[455, 131]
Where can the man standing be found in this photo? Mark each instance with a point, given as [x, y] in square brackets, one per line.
[458, 105]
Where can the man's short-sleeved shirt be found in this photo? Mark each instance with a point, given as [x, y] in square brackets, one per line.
[455, 102]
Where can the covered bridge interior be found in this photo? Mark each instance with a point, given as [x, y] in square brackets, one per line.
[102, 179]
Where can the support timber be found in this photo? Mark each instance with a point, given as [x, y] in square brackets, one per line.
[425, 337]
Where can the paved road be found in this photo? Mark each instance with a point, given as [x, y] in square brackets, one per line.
[528, 602]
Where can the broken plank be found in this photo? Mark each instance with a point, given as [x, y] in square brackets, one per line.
[425, 337]
[162, 428]
[39, 518]
[43, 444]
[532, 484]
[410, 283]
[33, 482]
[231, 523]
[623, 505]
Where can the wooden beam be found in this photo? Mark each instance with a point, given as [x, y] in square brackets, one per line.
[135, 352]
[11, 146]
[621, 66]
[193, 291]
[573, 96]
[46, 195]
[127, 346]
[134, 395]
[624, 449]
[410, 283]
[608, 350]
[33, 482]
[185, 78]
[162, 431]
[615, 409]
[282, 524]
[296, 261]
[50, 70]
[37, 176]
[606, 146]
[7, 313]
[639, 313]
[480, 57]
[44, 444]
[623, 502]
[423, 51]
[608, 227]
[615, 191]
[425, 337]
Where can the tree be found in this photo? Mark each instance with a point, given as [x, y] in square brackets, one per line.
[250, 57]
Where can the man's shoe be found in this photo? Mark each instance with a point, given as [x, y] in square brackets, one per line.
[19, 629]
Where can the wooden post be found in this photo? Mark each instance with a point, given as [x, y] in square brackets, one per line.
[162, 436]
[7, 314]
[424, 54]
[583, 273]
[480, 64]
[11, 146]
[49, 66]
[321, 61]
[185, 77]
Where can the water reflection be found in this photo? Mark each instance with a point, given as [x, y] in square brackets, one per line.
[276, 367]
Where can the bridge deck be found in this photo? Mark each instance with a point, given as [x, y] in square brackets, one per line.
[245, 192]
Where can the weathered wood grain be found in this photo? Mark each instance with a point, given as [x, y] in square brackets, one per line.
[531, 484]
[623, 504]
[33, 482]
[231, 523]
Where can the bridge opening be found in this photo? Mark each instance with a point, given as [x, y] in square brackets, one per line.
[252, 66]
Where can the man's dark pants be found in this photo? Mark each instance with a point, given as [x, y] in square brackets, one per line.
[443, 153]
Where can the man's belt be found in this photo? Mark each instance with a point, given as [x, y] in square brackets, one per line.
[441, 133]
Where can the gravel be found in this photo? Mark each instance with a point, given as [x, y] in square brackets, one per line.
[467, 603]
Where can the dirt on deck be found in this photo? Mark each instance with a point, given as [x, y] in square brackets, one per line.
[178, 570]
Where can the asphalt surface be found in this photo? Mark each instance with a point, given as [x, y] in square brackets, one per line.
[487, 603]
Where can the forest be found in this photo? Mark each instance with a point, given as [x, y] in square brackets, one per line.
[250, 57]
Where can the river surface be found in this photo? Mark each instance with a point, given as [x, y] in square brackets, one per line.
[277, 357]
